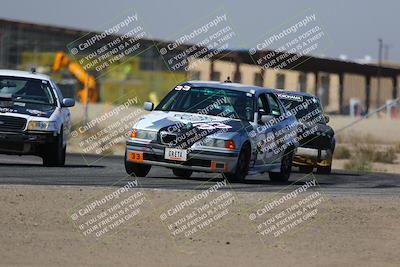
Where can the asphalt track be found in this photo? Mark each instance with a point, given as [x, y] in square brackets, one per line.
[109, 171]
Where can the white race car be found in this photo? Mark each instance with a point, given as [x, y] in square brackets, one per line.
[34, 116]
[214, 127]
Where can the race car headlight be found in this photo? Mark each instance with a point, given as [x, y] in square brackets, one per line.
[49, 126]
[229, 144]
[144, 134]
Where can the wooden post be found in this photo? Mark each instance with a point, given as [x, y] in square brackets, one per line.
[367, 92]
[394, 90]
[341, 90]
[237, 77]
[316, 84]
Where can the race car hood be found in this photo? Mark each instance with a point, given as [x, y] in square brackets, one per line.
[191, 127]
[174, 121]
[43, 111]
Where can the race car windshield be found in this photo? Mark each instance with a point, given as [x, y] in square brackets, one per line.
[303, 107]
[25, 90]
[209, 101]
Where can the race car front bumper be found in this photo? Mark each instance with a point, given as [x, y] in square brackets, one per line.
[204, 160]
[312, 157]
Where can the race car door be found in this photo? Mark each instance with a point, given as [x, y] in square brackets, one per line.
[279, 130]
[265, 138]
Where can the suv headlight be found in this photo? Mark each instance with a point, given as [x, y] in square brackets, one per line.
[48, 126]
[143, 134]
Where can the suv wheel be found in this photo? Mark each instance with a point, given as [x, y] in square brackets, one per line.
[54, 154]
[182, 173]
[286, 167]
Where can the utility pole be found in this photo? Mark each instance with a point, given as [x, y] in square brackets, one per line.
[378, 98]
[386, 52]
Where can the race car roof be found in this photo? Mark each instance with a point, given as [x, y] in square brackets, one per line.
[229, 85]
[24, 74]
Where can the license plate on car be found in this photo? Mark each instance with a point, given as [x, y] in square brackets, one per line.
[175, 154]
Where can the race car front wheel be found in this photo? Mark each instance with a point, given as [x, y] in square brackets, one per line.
[182, 173]
[242, 166]
[136, 169]
[286, 166]
[54, 154]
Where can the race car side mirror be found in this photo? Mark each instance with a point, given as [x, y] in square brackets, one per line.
[326, 118]
[148, 106]
[266, 118]
[68, 102]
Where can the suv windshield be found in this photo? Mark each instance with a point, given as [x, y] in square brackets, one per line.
[209, 101]
[26, 90]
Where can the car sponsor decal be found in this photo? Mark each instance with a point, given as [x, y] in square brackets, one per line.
[9, 110]
[30, 112]
[290, 97]
[211, 126]
[36, 112]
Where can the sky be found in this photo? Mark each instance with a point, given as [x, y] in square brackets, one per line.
[354, 27]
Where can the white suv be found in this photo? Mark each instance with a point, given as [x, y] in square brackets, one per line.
[34, 116]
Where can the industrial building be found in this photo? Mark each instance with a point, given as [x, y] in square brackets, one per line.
[336, 82]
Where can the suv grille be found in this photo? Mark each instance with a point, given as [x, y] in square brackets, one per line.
[12, 124]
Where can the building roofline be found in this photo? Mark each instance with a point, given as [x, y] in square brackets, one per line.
[308, 63]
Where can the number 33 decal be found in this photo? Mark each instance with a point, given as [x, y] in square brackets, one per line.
[184, 88]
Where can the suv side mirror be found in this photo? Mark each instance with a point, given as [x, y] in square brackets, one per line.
[266, 118]
[149, 106]
[326, 118]
[68, 102]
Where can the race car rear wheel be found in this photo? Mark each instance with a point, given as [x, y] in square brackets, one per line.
[242, 166]
[182, 173]
[324, 169]
[286, 166]
[54, 154]
[306, 169]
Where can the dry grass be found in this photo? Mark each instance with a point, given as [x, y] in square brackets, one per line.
[397, 147]
[359, 163]
[342, 152]
[372, 153]
[353, 138]
[386, 156]
[364, 155]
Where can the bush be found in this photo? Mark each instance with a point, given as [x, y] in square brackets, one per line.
[359, 162]
[341, 152]
[397, 148]
[387, 156]
[364, 155]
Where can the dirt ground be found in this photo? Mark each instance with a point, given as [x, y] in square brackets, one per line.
[36, 231]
